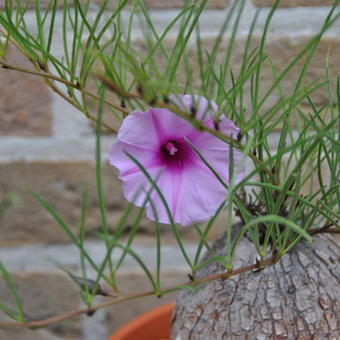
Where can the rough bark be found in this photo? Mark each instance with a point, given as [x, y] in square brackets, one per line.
[297, 298]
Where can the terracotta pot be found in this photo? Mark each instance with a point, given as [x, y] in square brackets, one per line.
[153, 325]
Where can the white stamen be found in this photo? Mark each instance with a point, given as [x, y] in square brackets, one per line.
[171, 148]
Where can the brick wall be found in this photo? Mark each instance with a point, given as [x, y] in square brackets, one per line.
[47, 146]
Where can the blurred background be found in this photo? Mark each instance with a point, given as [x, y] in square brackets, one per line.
[46, 146]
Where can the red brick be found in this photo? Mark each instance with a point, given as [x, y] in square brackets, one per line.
[43, 295]
[25, 101]
[43, 3]
[281, 49]
[166, 4]
[62, 185]
[293, 3]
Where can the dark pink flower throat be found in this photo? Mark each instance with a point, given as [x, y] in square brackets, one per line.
[176, 153]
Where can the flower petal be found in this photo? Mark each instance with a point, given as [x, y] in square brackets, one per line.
[217, 152]
[134, 180]
[202, 108]
[136, 186]
[138, 129]
[228, 127]
[193, 196]
[168, 125]
[118, 157]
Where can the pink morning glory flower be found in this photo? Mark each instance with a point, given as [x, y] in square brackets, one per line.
[158, 139]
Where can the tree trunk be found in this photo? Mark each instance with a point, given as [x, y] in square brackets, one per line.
[297, 298]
